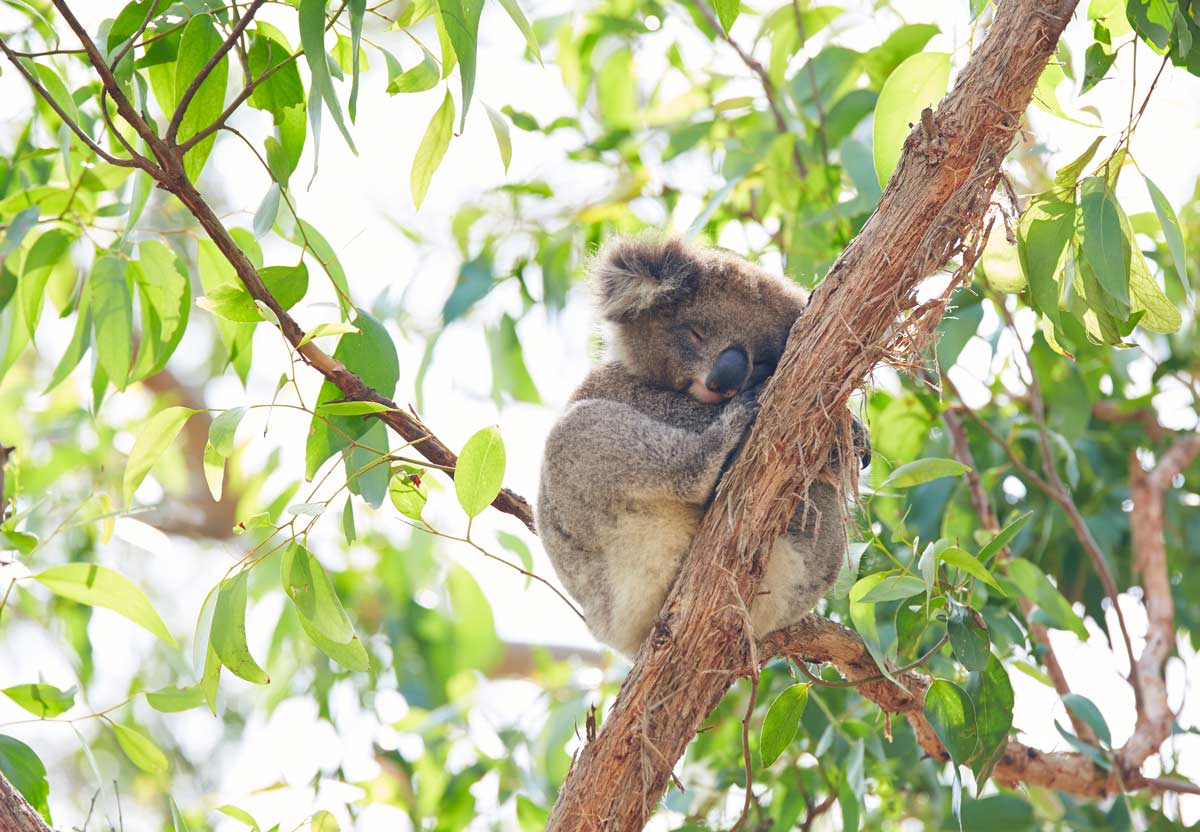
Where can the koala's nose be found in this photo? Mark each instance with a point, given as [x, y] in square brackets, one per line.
[729, 371]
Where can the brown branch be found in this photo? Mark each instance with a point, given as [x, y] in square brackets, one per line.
[16, 815]
[1147, 525]
[222, 50]
[67, 120]
[5, 452]
[170, 176]
[932, 209]
[961, 451]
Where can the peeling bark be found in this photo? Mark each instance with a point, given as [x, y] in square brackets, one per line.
[864, 311]
[16, 815]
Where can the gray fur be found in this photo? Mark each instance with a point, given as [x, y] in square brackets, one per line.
[631, 465]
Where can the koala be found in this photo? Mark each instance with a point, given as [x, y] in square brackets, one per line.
[630, 467]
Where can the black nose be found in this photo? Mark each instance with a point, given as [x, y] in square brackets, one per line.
[729, 371]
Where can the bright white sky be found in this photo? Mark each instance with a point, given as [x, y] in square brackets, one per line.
[358, 203]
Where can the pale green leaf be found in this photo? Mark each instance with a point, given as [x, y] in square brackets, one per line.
[140, 749]
[781, 722]
[432, 149]
[480, 471]
[918, 82]
[922, 471]
[152, 441]
[99, 586]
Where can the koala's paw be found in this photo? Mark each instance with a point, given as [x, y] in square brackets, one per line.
[740, 412]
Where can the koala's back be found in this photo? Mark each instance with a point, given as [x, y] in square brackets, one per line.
[616, 544]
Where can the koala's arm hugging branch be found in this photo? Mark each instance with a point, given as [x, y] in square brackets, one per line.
[865, 310]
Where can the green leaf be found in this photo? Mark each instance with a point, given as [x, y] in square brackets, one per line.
[922, 471]
[475, 281]
[1047, 228]
[1157, 313]
[323, 821]
[518, 17]
[221, 434]
[900, 45]
[862, 613]
[140, 749]
[500, 128]
[1003, 537]
[727, 12]
[409, 491]
[1105, 245]
[1097, 60]
[307, 584]
[18, 227]
[1086, 710]
[81, 339]
[1068, 174]
[348, 529]
[321, 330]
[890, 588]
[1170, 227]
[530, 816]
[351, 655]
[99, 586]
[229, 631]
[781, 722]
[969, 637]
[198, 44]
[960, 559]
[353, 408]
[311, 20]
[25, 771]
[165, 291]
[919, 82]
[461, 19]
[479, 473]
[287, 284]
[238, 814]
[509, 373]
[112, 311]
[357, 9]
[423, 76]
[952, 715]
[283, 89]
[41, 700]
[432, 149]
[616, 90]
[991, 693]
[171, 700]
[370, 354]
[518, 547]
[267, 211]
[152, 441]
[476, 645]
[1035, 586]
[43, 256]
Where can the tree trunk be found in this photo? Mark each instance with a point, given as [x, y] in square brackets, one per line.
[16, 815]
[863, 312]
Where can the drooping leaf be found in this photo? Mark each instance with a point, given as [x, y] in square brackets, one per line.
[229, 631]
[503, 139]
[1043, 237]
[99, 586]
[165, 294]
[311, 590]
[198, 44]
[221, 434]
[1170, 227]
[140, 749]
[170, 700]
[152, 441]
[461, 21]
[423, 76]
[432, 149]
[1086, 710]
[311, 19]
[952, 715]
[969, 637]
[112, 312]
[992, 695]
[1003, 537]
[479, 473]
[43, 256]
[781, 722]
[518, 17]
[727, 12]
[409, 491]
[917, 83]
[961, 559]
[1104, 244]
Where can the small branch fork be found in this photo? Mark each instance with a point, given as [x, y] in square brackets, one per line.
[166, 168]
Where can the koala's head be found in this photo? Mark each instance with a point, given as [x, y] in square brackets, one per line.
[696, 320]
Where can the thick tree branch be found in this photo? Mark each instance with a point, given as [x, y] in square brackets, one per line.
[1147, 524]
[16, 815]
[864, 310]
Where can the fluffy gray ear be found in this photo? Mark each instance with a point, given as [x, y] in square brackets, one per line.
[632, 275]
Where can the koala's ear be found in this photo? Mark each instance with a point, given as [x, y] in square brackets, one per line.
[632, 275]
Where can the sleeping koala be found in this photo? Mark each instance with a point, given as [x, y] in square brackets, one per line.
[632, 464]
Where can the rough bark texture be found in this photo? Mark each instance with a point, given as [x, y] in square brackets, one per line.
[936, 197]
[16, 815]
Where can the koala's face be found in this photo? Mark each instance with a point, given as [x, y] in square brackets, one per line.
[698, 321]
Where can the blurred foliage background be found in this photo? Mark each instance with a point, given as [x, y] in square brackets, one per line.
[202, 631]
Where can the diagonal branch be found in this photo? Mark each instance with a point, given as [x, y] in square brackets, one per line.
[864, 311]
[16, 815]
[222, 50]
